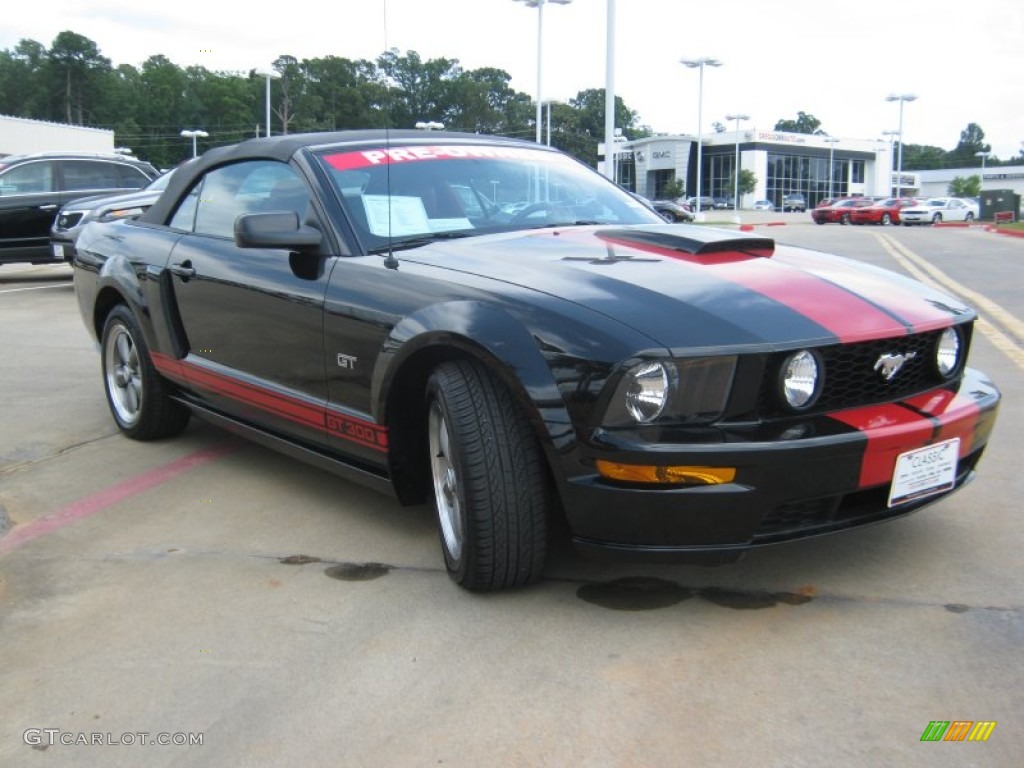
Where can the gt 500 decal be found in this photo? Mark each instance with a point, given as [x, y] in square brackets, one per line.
[362, 432]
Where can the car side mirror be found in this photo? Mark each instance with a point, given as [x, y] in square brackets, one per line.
[275, 230]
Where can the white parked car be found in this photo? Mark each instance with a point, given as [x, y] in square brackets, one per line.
[938, 209]
[763, 205]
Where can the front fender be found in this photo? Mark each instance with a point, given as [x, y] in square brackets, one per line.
[121, 259]
[487, 333]
[555, 357]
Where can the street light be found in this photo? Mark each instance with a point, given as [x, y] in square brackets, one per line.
[700, 64]
[270, 74]
[539, 5]
[831, 157]
[983, 156]
[890, 134]
[736, 188]
[900, 97]
[609, 88]
[196, 134]
[430, 126]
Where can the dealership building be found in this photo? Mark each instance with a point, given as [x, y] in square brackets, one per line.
[815, 165]
[783, 163]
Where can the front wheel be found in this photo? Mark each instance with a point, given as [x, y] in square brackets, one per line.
[969, 218]
[937, 218]
[490, 489]
[138, 398]
[886, 219]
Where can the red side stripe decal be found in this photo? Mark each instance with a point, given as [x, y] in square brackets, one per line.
[307, 414]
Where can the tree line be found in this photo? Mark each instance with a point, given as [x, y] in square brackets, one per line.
[148, 106]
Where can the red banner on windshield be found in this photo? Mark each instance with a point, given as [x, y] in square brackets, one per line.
[348, 161]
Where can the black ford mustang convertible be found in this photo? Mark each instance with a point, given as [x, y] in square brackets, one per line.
[490, 325]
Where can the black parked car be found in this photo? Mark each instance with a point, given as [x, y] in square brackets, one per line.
[34, 187]
[493, 326]
[672, 211]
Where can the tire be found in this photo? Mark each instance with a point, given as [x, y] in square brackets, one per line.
[819, 221]
[138, 398]
[844, 219]
[886, 220]
[937, 218]
[969, 218]
[489, 483]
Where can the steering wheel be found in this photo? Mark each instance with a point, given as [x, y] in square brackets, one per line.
[545, 205]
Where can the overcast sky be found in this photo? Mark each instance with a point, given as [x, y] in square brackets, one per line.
[836, 61]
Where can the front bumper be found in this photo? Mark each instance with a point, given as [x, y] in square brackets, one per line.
[805, 478]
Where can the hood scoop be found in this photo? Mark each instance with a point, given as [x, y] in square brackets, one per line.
[699, 244]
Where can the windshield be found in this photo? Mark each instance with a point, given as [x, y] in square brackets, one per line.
[413, 194]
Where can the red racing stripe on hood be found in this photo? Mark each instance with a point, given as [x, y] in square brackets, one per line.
[843, 313]
[922, 312]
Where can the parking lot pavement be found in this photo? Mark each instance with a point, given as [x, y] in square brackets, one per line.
[207, 589]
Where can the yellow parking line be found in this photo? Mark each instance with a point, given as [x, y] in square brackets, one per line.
[926, 272]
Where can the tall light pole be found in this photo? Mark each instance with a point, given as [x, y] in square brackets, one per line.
[700, 64]
[196, 134]
[983, 156]
[831, 157]
[539, 5]
[901, 98]
[890, 134]
[270, 74]
[736, 188]
[609, 91]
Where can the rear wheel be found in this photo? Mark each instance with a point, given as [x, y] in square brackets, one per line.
[844, 219]
[886, 219]
[490, 490]
[969, 218]
[138, 398]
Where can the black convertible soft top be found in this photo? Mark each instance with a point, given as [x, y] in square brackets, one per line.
[282, 148]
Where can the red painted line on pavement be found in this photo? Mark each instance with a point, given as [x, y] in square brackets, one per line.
[100, 500]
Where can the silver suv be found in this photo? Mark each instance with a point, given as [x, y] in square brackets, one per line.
[794, 202]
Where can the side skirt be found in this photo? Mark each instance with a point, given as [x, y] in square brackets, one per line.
[332, 464]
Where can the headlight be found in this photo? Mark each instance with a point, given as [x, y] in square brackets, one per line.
[947, 352]
[800, 380]
[682, 391]
[647, 390]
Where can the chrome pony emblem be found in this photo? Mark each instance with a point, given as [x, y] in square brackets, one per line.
[889, 365]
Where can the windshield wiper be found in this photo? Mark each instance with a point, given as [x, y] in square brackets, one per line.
[405, 243]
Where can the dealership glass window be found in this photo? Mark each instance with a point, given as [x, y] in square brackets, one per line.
[809, 175]
[717, 175]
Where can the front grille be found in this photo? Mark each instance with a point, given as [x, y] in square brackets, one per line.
[851, 379]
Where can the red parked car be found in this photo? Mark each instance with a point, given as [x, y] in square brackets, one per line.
[839, 211]
[883, 212]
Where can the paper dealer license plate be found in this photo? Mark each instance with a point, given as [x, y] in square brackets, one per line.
[924, 472]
